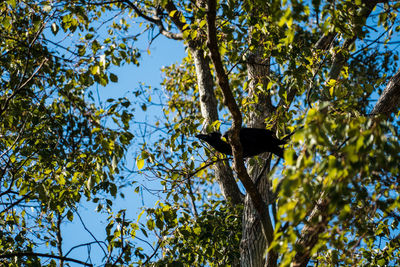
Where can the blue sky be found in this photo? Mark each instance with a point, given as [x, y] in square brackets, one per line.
[163, 53]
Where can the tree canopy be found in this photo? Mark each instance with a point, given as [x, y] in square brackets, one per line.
[326, 71]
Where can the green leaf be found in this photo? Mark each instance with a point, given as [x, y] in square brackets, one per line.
[113, 78]
[12, 3]
[70, 216]
[331, 82]
[202, 23]
[150, 224]
[172, 13]
[197, 230]
[139, 163]
[95, 69]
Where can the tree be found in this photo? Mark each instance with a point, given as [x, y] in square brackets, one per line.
[313, 68]
[55, 147]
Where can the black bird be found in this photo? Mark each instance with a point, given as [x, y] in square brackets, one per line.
[254, 141]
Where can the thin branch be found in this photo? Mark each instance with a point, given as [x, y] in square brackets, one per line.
[153, 254]
[192, 198]
[122, 241]
[17, 202]
[190, 175]
[27, 254]
[157, 21]
[16, 139]
[82, 245]
[373, 42]
[84, 226]
[21, 87]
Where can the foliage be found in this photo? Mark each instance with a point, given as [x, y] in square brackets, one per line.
[363, 198]
[55, 146]
[211, 238]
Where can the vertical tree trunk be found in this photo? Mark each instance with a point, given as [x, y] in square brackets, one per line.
[253, 244]
[208, 106]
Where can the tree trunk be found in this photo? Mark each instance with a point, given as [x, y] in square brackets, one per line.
[208, 106]
[253, 244]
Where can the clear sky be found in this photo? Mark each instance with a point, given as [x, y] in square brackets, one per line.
[163, 53]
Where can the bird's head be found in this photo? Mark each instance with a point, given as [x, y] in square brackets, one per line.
[209, 137]
[216, 140]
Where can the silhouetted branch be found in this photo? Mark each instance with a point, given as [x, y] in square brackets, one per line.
[33, 254]
[16, 91]
[84, 226]
[83, 245]
[157, 21]
[153, 254]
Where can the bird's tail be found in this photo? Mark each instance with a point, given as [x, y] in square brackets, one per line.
[285, 139]
[278, 152]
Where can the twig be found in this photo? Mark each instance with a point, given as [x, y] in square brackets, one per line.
[23, 254]
[82, 245]
[153, 254]
[21, 87]
[84, 226]
[157, 21]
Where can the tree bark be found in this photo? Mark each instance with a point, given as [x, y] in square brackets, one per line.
[253, 245]
[208, 106]
[316, 224]
[340, 58]
[389, 100]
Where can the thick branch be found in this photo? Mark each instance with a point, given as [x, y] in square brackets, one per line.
[340, 58]
[389, 100]
[170, 6]
[208, 107]
[316, 224]
[230, 102]
[59, 239]
[209, 111]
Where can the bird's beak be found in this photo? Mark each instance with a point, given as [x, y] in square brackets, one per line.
[202, 136]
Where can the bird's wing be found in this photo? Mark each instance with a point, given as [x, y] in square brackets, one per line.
[251, 135]
[256, 141]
